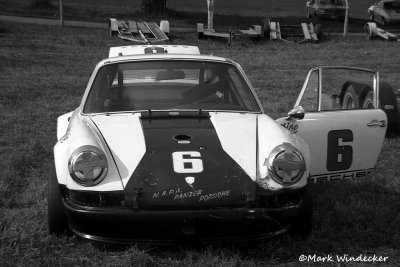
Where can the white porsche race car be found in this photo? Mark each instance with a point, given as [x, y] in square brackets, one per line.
[169, 144]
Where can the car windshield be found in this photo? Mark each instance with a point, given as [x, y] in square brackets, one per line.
[165, 85]
[392, 5]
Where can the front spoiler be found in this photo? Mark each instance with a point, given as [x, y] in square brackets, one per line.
[161, 227]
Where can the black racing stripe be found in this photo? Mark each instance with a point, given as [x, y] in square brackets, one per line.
[155, 183]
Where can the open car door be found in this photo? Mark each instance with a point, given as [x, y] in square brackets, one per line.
[337, 113]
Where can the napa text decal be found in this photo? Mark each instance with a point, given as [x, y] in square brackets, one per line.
[178, 194]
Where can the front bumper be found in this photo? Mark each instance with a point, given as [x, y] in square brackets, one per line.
[218, 225]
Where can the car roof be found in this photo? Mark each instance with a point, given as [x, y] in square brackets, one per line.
[158, 52]
[133, 50]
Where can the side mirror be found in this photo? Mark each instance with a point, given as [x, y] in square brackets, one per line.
[296, 113]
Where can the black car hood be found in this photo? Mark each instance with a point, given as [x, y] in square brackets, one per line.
[185, 163]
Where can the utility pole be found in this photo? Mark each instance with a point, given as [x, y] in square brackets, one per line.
[346, 19]
[210, 5]
[61, 14]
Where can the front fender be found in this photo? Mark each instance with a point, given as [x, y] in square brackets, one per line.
[270, 135]
[81, 131]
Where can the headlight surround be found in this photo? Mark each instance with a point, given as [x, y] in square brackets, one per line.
[286, 164]
[88, 165]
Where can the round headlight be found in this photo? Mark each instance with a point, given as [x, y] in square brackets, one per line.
[88, 165]
[286, 164]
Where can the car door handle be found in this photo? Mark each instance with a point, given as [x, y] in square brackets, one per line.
[381, 123]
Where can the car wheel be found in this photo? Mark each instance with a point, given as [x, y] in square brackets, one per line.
[350, 99]
[368, 102]
[303, 223]
[56, 218]
[371, 30]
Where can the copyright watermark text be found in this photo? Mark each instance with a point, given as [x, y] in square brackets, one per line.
[342, 258]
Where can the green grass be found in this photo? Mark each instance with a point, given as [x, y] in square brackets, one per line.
[43, 74]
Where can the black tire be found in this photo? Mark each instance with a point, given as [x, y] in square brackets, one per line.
[368, 101]
[56, 218]
[318, 30]
[371, 30]
[303, 223]
[350, 99]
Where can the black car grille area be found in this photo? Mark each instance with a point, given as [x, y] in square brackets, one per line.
[281, 200]
[97, 199]
[117, 199]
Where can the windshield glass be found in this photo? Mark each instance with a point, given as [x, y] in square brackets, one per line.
[164, 85]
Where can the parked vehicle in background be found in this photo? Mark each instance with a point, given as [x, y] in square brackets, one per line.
[333, 9]
[385, 12]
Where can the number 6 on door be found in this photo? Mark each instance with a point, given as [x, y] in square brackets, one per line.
[187, 162]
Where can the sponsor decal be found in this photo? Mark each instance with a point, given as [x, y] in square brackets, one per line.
[221, 194]
[340, 176]
[178, 194]
[292, 128]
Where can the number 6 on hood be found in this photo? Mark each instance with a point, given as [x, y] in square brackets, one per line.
[187, 162]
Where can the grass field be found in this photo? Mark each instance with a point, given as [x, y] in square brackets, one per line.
[43, 73]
